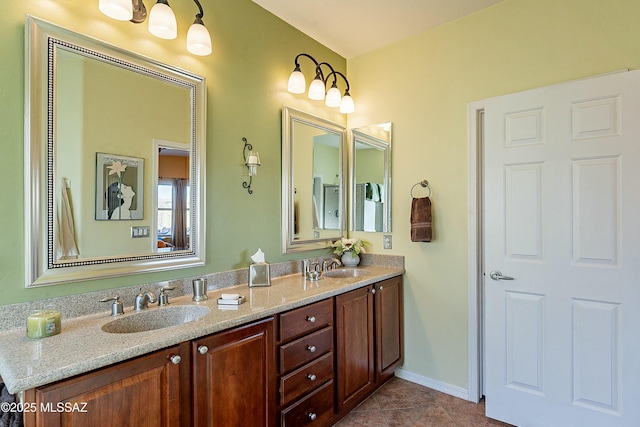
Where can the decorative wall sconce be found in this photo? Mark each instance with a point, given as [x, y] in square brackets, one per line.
[162, 21]
[318, 87]
[251, 161]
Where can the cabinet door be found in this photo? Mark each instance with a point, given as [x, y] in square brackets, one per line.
[148, 391]
[354, 347]
[388, 327]
[234, 377]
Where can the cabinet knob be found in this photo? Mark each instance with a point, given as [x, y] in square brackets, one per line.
[311, 348]
[174, 358]
[311, 319]
[203, 349]
[373, 291]
[381, 287]
[311, 377]
[312, 416]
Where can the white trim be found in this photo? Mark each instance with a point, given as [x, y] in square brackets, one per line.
[452, 390]
[474, 344]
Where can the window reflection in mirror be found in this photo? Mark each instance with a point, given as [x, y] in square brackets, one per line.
[370, 178]
[173, 209]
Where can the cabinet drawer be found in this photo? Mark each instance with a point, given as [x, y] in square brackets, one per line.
[305, 379]
[306, 319]
[315, 409]
[305, 349]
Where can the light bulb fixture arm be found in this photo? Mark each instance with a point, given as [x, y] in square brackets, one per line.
[335, 78]
[200, 14]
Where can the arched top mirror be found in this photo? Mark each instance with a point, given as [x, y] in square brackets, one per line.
[114, 160]
[370, 178]
[313, 181]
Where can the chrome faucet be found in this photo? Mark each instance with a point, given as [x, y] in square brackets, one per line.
[330, 265]
[143, 299]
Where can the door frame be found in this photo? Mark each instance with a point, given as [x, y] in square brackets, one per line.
[475, 344]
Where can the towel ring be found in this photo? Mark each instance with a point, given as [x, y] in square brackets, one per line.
[424, 184]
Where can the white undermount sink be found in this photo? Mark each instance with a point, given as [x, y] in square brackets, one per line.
[156, 318]
[345, 273]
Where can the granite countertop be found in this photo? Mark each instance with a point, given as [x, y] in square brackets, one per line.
[83, 346]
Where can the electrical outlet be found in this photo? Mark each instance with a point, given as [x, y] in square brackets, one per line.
[386, 241]
[316, 234]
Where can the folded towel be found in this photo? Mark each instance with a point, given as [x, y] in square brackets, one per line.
[421, 220]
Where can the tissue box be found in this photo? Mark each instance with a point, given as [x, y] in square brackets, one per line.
[259, 274]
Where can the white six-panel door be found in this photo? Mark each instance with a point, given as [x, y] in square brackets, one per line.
[562, 218]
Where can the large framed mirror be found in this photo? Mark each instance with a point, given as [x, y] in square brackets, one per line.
[114, 160]
[313, 181]
[370, 178]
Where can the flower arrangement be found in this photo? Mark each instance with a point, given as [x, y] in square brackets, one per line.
[354, 246]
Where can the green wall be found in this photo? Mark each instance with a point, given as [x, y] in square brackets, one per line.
[424, 85]
[246, 76]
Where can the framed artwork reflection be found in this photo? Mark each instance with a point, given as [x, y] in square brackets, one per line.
[119, 187]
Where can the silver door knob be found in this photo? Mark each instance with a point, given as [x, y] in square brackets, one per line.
[311, 348]
[311, 319]
[497, 275]
[174, 358]
[311, 377]
[312, 416]
[203, 349]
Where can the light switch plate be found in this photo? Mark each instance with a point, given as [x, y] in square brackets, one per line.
[139, 231]
[386, 241]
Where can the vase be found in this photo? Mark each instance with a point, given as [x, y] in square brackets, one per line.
[350, 259]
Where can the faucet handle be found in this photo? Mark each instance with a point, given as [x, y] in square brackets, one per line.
[117, 307]
[163, 298]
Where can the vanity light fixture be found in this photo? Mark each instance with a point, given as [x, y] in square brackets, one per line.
[251, 161]
[318, 87]
[162, 21]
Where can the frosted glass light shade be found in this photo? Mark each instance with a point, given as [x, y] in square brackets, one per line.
[253, 161]
[297, 82]
[333, 97]
[316, 90]
[346, 105]
[162, 22]
[198, 40]
[122, 10]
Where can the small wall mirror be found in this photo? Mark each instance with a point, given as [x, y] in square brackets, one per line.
[370, 178]
[114, 160]
[313, 181]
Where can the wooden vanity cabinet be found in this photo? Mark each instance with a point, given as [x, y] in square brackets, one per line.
[306, 365]
[233, 376]
[368, 340]
[148, 391]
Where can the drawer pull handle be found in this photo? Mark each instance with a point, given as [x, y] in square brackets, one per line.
[203, 349]
[373, 291]
[311, 319]
[381, 287]
[311, 348]
[312, 416]
[311, 377]
[174, 358]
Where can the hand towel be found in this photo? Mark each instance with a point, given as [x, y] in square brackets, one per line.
[421, 220]
[67, 248]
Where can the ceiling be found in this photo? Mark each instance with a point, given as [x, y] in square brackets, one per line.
[354, 27]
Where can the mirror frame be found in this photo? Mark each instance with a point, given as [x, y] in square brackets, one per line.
[385, 146]
[41, 40]
[289, 117]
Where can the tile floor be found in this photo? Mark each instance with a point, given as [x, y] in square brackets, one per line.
[403, 403]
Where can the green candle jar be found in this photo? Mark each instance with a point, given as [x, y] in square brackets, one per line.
[43, 323]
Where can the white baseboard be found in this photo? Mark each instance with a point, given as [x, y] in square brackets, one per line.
[453, 390]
